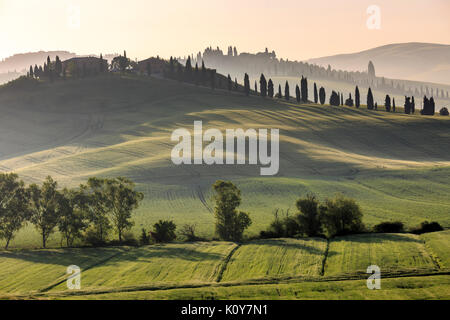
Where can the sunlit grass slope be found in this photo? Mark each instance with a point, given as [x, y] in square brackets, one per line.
[395, 166]
[414, 288]
[390, 252]
[439, 244]
[32, 270]
[170, 263]
[276, 258]
[250, 270]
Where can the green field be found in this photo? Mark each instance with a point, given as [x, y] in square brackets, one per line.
[34, 270]
[266, 269]
[390, 252]
[414, 288]
[171, 263]
[438, 244]
[397, 167]
[276, 258]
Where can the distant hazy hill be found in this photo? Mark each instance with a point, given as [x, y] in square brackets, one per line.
[22, 61]
[18, 64]
[411, 61]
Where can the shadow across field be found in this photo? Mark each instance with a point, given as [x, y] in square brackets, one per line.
[374, 238]
[146, 254]
[63, 257]
[282, 243]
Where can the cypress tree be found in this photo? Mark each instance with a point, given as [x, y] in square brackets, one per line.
[297, 93]
[316, 95]
[58, 67]
[432, 107]
[196, 74]
[31, 72]
[36, 71]
[428, 106]
[322, 95]
[357, 98]
[236, 86]
[263, 86]
[349, 101]
[413, 105]
[286, 91]
[370, 104]
[304, 89]
[280, 95]
[188, 69]
[335, 99]
[230, 83]
[342, 99]
[387, 103]
[203, 72]
[393, 105]
[256, 88]
[246, 85]
[100, 67]
[408, 104]
[270, 88]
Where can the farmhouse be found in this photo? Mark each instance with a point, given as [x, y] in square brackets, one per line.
[157, 65]
[84, 66]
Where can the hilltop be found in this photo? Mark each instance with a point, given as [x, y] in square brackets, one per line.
[396, 166]
[424, 62]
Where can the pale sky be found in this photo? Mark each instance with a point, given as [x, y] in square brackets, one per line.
[295, 29]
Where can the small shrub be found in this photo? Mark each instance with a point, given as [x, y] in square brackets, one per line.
[188, 232]
[164, 231]
[443, 111]
[389, 227]
[426, 227]
[269, 235]
[144, 238]
[282, 227]
[341, 216]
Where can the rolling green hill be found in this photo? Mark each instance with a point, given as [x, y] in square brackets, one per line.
[276, 258]
[397, 167]
[390, 252]
[266, 269]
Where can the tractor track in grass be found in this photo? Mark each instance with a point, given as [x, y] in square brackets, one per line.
[201, 196]
[225, 263]
[255, 282]
[325, 256]
[63, 278]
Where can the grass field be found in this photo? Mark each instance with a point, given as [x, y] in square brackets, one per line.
[395, 166]
[266, 269]
[171, 263]
[439, 244]
[390, 252]
[33, 270]
[414, 288]
[276, 258]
